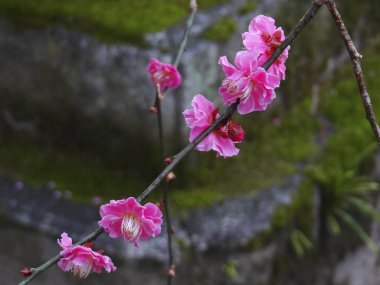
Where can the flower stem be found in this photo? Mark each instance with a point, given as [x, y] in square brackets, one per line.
[177, 158]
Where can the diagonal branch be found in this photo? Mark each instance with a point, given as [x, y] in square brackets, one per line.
[310, 13]
[355, 58]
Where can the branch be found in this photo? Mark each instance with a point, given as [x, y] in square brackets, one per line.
[194, 8]
[355, 58]
[165, 190]
[309, 15]
[314, 7]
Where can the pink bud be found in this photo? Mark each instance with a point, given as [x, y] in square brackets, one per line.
[168, 160]
[170, 177]
[26, 271]
[171, 271]
[235, 131]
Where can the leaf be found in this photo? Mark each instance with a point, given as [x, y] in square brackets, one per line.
[334, 225]
[300, 242]
[357, 228]
[364, 207]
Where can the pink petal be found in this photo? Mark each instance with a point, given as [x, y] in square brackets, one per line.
[262, 23]
[227, 67]
[254, 42]
[224, 147]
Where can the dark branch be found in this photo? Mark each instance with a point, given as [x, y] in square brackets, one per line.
[355, 58]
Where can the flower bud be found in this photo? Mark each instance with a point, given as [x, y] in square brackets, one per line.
[26, 271]
[170, 177]
[171, 271]
[168, 160]
[235, 131]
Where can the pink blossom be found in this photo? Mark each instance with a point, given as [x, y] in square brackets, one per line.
[81, 259]
[222, 139]
[65, 241]
[163, 75]
[129, 219]
[248, 82]
[264, 37]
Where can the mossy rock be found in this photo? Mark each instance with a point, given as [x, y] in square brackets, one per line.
[221, 31]
[248, 7]
[111, 21]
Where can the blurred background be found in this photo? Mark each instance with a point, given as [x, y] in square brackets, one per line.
[298, 205]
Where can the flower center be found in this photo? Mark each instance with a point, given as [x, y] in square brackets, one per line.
[247, 90]
[83, 270]
[131, 227]
[161, 75]
[273, 41]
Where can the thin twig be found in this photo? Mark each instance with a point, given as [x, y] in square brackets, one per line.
[355, 58]
[165, 189]
[225, 116]
[189, 23]
[184, 40]
[168, 230]
[159, 123]
[294, 33]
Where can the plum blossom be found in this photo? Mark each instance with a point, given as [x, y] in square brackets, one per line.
[81, 259]
[264, 37]
[163, 75]
[222, 139]
[248, 82]
[128, 219]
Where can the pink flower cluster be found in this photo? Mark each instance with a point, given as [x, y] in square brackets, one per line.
[128, 219]
[264, 38]
[81, 259]
[163, 75]
[222, 139]
[122, 218]
[246, 81]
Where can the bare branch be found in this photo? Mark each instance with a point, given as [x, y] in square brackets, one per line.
[355, 58]
[194, 8]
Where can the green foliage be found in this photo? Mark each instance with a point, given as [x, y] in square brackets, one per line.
[111, 21]
[345, 195]
[300, 242]
[248, 7]
[230, 269]
[221, 31]
[341, 193]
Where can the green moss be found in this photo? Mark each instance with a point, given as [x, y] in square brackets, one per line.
[195, 197]
[248, 7]
[82, 175]
[221, 31]
[112, 21]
